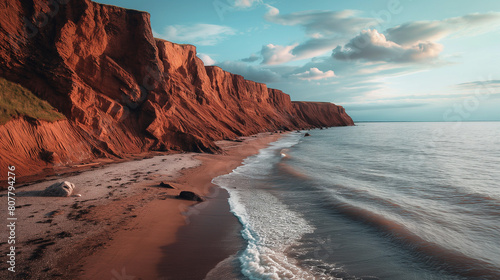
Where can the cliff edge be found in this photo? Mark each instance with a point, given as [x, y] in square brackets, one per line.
[124, 92]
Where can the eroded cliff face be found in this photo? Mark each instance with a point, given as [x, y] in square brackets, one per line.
[123, 91]
[321, 114]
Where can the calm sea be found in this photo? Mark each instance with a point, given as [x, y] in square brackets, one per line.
[373, 201]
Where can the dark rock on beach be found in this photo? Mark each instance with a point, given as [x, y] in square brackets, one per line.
[187, 195]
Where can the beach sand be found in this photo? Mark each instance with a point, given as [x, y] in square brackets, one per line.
[125, 225]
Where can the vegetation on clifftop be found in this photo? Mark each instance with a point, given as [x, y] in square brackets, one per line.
[16, 101]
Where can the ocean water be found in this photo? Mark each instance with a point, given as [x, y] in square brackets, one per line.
[373, 201]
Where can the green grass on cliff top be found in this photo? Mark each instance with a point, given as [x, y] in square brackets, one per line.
[16, 101]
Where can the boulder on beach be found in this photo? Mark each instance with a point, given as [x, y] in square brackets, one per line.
[187, 195]
[62, 189]
[307, 134]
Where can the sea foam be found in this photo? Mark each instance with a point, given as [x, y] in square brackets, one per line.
[269, 226]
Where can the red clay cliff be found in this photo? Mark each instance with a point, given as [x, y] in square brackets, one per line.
[123, 91]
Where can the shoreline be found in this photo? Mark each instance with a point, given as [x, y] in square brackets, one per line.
[187, 246]
[133, 227]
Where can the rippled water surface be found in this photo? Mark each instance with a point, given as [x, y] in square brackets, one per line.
[374, 201]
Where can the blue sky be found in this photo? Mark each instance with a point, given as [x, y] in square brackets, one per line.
[390, 60]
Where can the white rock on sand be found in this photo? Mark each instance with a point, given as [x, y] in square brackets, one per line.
[62, 189]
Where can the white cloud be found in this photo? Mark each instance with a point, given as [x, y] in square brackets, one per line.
[321, 23]
[315, 47]
[246, 3]
[472, 24]
[252, 58]
[250, 72]
[314, 74]
[411, 42]
[275, 54]
[197, 34]
[207, 60]
[370, 45]
[325, 30]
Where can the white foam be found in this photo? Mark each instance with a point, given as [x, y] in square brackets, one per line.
[269, 226]
[223, 270]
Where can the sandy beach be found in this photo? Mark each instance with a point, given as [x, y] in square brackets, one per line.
[125, 225]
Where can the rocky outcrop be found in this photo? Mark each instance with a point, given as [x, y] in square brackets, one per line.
[125, 92]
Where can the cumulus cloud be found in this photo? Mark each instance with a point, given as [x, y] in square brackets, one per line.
[315, 47]
[250, 72]
[325, 29]
[321, 23]
[370, 45]
[251, 58]
[197, 34]
[275, 54]
[413, 32]
[207, 60]
[410, 42]
[314, 74]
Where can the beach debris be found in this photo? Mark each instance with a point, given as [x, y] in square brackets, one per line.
[187, 195]
[307, 134]
[166, 185]
[61, 189]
